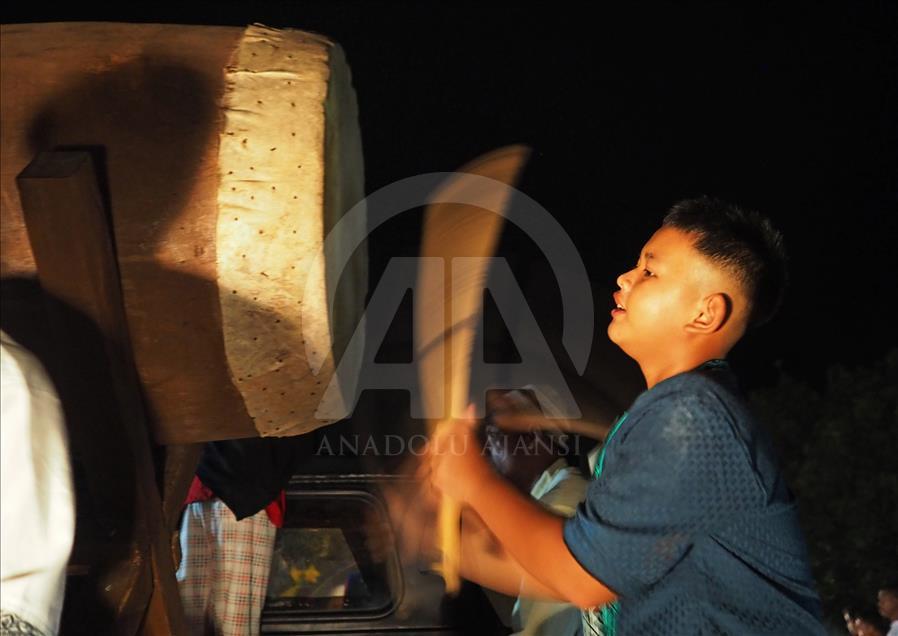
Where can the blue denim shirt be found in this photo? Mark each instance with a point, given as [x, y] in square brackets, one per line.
[690, 522]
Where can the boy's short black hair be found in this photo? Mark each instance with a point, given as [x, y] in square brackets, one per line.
[741, 241]
[891, 587]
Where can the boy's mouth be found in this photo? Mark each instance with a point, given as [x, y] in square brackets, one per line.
[618, 307]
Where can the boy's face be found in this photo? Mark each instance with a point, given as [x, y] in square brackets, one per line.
[888, 604]
[659, 296]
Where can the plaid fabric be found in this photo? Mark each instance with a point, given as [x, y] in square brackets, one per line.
[223, 575]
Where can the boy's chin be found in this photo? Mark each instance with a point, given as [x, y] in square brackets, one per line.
[615, 336]
[614, 332]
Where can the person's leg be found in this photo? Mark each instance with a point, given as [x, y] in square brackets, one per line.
[195, 571]
[245, 549]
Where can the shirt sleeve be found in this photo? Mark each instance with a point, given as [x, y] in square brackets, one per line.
[37, 516]
[679, 470]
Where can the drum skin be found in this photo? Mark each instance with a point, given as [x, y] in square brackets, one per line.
[212, 296]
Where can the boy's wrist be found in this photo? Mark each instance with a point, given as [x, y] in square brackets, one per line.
[482, 482]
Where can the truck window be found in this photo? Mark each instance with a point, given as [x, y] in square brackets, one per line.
[334, 555]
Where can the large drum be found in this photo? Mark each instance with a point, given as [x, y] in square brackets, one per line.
[228, 154]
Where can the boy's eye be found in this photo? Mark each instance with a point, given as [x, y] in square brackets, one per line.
[647, 273]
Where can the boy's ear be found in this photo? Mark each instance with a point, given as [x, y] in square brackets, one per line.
[714, 312]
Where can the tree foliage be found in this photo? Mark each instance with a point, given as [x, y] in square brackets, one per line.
[840, 456]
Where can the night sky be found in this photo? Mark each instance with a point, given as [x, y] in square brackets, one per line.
[786, 107]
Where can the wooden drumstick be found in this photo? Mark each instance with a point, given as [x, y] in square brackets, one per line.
[463, 220]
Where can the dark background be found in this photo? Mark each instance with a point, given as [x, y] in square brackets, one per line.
[786, 107]
[790, 108]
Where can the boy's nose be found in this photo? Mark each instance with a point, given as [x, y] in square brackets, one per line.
[623, 281]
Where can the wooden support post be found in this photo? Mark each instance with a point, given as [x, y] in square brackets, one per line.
[71, 239]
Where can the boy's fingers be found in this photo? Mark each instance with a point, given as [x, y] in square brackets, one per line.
[411, 528]
[412, 510]
[396, 508]
[422, 472]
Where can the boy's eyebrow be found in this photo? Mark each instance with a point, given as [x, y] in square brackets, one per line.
[648, 256]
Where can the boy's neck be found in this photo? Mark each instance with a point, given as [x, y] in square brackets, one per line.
[656, 371]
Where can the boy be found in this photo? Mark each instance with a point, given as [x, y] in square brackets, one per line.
[688, 527]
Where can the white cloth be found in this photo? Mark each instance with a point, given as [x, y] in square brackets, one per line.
[593, 457]
[560, 488]
[37, 511]
[893, 629]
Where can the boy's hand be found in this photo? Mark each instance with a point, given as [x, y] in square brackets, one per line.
[864, 628]
[457, 465]
[412, 506]
[513, 412]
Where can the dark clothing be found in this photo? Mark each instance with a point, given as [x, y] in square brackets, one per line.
[690, 522]
[248, 474]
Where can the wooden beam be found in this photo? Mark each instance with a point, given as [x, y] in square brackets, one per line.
[71, 239]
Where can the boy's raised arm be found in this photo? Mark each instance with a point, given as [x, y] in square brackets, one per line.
[531, 534]
[489, 565]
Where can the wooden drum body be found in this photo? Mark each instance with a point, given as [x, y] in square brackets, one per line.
[226, 154]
